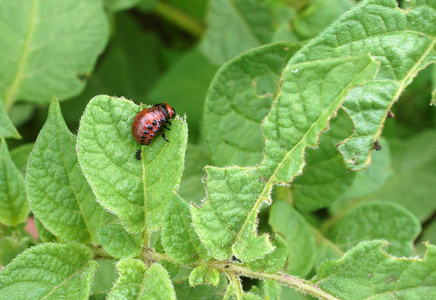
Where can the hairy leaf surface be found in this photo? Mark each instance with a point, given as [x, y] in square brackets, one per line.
[59, 195]
[49, 271]
[137, 191]
[403, 41]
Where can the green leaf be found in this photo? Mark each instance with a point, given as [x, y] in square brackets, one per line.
[43, 233]
[367, 272]
[129, 67]
[59, 195]
[238, 99]
[251, 24]
[325, 177]
[317, 15]
[227, 221]
[414, 173]
[200, 292]
[7, 129]
[179, 238]
[402, 40]
[118, 242]
[298, 237]
[204, 275]
[405, 178]
[192, 187]
[104, 278]
[368, 181]
[118, 5]
[377, 221]
[49, 271]
[139, 282]
[189, 78]
[11, 246]
[14, 206]
[48, 47]
[137, 191]
[273, 261]
[272, 290]
[20, 156]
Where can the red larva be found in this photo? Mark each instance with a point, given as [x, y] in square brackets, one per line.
[149, 122]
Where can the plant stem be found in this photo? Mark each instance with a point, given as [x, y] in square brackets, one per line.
[235, 269]
[179, 18]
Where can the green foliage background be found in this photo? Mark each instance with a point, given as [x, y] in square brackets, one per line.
[270, 172]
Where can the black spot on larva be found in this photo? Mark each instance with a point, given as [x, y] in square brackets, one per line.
[154, 122]
[151, 135]
[143, 136]
[158, 126]
[149, 127]
[149, 139]
[155, 130]
[146, 132]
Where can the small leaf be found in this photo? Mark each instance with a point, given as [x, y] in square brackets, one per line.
[11, 246]
[49, 271]
[59, 195]
[7, 129]
[138, 191]
[179, 238]
[378, 221]
[273, 261]
[45, 48]
[138, 282]
[14, 206]
[200, 292]
[367, 272]
[238, 99]
[118, 242]
[204, 275]
[298, 237]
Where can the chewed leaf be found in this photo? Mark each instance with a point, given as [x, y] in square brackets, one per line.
[136, 281]
[14, 206]
[137, 191]
[49, 271]
[7, 129]
[59, 195]
[239, 99]
[367, 272]
[309, 96]
[232, 194]
[402, 40]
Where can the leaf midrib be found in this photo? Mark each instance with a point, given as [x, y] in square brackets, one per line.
[11, 94]
[270, 181]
